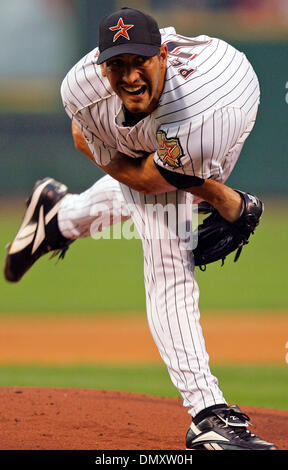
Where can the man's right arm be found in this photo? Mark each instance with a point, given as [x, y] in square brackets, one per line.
[80, 142]
[142, 175]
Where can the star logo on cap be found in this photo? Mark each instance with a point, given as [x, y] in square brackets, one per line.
[122, 30]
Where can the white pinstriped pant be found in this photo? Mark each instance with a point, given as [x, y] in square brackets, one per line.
[172, 293]
[171, 290]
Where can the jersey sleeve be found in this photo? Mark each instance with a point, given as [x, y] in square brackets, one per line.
[200, 147]
[102, 153]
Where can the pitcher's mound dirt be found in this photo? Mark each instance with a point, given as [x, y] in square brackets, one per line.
[83, 419]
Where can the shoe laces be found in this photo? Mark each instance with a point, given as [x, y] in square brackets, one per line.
[236, 420]
[61, 252]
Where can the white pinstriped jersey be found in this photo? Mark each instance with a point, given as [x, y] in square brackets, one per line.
[207, 108]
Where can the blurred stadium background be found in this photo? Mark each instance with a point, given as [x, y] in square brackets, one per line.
[40, 40]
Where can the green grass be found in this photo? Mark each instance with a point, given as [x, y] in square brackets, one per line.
[107, 275]
[261, 385]
[246, 385]
[258, 280]
[95, 276]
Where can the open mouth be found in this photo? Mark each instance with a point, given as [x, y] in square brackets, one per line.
[135, 90]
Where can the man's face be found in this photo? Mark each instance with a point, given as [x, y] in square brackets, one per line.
[137, 80]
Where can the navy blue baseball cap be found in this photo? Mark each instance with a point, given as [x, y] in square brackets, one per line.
[128, 31]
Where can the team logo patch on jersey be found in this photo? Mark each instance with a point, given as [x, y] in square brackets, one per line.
[121, 29]
[169, 150]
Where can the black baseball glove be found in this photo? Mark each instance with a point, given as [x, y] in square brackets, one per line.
[217, 237]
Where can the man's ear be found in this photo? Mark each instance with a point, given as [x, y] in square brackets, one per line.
[164, 53]
[103, 70]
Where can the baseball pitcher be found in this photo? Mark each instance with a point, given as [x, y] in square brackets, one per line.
[165, 116]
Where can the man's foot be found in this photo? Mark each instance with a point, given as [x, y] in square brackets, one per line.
[39, 232]
[225, 429]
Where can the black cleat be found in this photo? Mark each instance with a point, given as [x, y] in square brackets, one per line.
[39, 232]
[225, 429]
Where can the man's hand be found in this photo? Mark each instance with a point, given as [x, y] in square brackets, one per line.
[217, 238]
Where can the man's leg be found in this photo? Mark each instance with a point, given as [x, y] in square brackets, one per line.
[95, 209]
[54, 219]
[172, 294]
